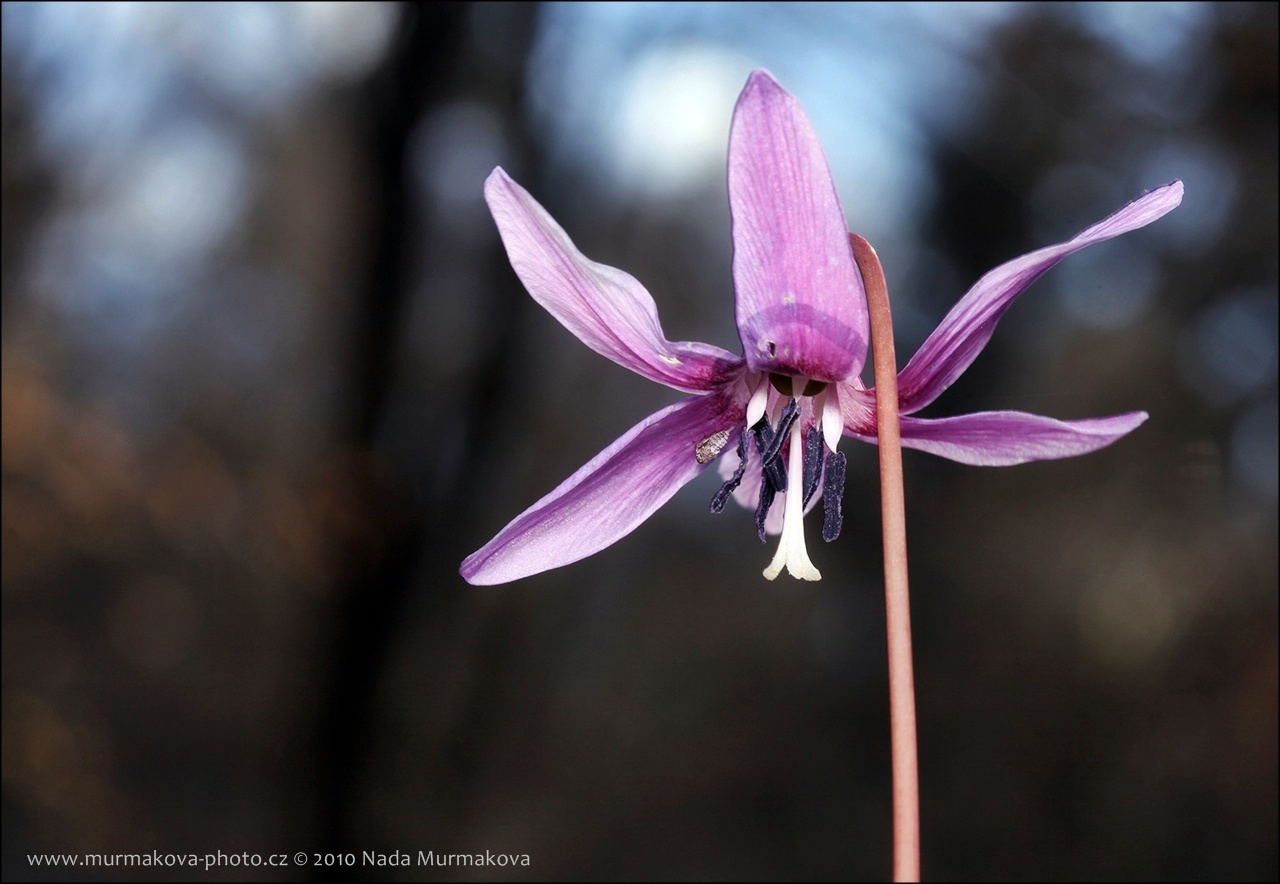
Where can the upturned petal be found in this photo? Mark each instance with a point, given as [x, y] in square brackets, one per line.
[609, 497]
[960, 337]
[801, 309]
[609, 310]
[1004, 438]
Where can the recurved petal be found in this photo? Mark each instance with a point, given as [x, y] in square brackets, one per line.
[609, 497]
[1004, 438]
[960, 337]
[609, 310]
[801, 309]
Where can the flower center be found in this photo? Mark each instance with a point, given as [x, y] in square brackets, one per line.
[793, 425]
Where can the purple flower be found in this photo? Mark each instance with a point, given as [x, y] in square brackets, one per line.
[773, 416]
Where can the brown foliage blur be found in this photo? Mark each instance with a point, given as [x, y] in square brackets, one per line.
[243, 459]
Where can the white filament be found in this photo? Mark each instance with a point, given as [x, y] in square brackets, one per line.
[759, 397]
[832, 419]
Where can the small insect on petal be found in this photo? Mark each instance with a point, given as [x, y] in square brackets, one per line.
[709, 448]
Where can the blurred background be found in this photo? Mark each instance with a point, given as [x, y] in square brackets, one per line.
[268, 378]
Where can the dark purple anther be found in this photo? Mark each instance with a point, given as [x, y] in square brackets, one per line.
[767, 492]
[812, 463]
[832, 492]
[774, 472]
[789, 415]
[722, 496]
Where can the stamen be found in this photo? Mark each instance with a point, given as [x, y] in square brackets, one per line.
[767, 493]
[832, 492]
[773, 470]
[791, 550]
[789, 415]
[731, 484]
[832, 418]
[759, 399]
[812, 463]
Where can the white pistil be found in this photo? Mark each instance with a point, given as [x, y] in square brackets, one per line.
[791, 550]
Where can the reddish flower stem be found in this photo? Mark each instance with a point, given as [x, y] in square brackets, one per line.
[902, 700]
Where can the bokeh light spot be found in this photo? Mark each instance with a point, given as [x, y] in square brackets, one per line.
[673, 119]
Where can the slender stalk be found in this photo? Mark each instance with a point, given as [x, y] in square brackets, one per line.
[902, 692]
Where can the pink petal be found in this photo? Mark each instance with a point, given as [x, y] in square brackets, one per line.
[960, 337]
[801, 309]
[607, 309]
[1004, 438]
[609, 497]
